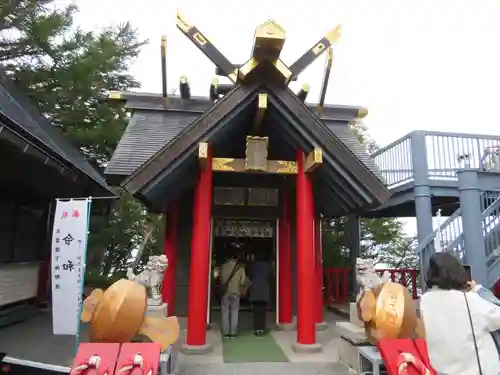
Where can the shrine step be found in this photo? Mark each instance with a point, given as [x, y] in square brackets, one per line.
[263, 368]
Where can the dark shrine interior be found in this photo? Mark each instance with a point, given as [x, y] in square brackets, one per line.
[245, 248]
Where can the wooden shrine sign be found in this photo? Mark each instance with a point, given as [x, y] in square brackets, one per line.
[243, 228]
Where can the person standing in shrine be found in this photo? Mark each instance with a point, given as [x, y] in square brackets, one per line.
[233, 280]
[260, 275]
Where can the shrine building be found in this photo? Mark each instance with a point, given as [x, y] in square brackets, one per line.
[250, 166]
[38, 166]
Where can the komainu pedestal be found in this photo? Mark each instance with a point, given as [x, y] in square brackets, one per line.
[155, 311]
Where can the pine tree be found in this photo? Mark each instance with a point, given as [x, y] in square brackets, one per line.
[68, 73]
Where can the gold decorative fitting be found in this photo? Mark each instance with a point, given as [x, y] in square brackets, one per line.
[284, 70]
[223, 164]
[268, 41]
[200, 39]
[313, 160]
[203, 150]
[286, 167]
[262, 101]
[362, 112]
[256, 153]
[333, 35]
[261, 110]
[163, 40]
[318, 155]
[247, 67]
[215, 82]
[233, 76]
[329, 54]
[318, 48]
[115, 95]
[181, 23]
[306, 87]
[183, 79]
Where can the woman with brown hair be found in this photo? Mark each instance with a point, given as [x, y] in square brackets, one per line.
[458, 322]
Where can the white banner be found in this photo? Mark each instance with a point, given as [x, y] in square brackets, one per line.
[69, 245]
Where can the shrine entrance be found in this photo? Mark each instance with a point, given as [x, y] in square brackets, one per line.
[243, 237]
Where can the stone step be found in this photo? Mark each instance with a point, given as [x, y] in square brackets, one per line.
[263, 369]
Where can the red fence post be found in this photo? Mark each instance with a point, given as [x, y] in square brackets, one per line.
[344, 284]
[413, 275]
[403, 278]
[336, 285]
[329, 286]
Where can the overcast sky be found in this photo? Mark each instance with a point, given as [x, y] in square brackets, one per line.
[415, 64]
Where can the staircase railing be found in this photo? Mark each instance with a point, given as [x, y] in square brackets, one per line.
[450, 231]
[452, 238]
[491, 231]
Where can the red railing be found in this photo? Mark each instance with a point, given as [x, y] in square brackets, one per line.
[336, 281]
[335, 284]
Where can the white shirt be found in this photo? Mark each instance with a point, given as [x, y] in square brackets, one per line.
[449, 335]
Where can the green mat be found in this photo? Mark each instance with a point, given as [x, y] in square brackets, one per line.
[247, 347]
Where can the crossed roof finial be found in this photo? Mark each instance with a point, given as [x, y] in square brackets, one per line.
[268, 42]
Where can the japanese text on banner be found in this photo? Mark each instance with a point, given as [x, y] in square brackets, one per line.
[69, 244]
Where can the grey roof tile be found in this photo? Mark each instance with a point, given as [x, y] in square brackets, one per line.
[348, 136]
[148, 131]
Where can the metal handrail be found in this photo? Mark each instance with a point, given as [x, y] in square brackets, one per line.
[492, 207]
[391, 145]
[432, 236]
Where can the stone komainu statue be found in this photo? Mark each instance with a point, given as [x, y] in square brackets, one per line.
[386, 308]
[151, 277]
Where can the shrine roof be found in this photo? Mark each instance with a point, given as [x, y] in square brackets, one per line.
[25, 122]
[167, 140]
[153, 125]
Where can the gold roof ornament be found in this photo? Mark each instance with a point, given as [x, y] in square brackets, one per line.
[268, 41]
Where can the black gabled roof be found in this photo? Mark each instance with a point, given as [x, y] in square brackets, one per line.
[203, 128]
[153, 125]
[344, 183]
[20, 114]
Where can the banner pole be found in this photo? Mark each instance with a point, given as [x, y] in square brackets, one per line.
[83, 267]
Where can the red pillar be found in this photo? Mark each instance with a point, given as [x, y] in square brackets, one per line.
[285, 315]
[318, 251]
[306, 320]
[170, 250]
[200, 258]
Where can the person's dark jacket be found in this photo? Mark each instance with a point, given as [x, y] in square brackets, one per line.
[260, 274]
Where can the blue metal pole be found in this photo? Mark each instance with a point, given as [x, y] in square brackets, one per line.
[84, 260]
[472, 227]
